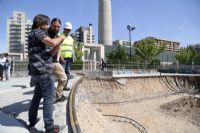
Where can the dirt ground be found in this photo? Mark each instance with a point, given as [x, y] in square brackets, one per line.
[188, 107]
[148, 105]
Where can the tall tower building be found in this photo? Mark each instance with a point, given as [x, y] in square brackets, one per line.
[105, 23]
[18, 28]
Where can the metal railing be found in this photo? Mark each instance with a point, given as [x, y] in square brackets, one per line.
[20, 68]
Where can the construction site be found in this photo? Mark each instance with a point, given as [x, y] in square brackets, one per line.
[165, 103]
[111, 102]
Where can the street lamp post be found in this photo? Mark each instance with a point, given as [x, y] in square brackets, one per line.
[130, 28]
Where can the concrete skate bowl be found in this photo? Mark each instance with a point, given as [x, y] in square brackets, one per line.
[163, 104]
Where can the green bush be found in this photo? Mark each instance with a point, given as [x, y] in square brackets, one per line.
[77, 65]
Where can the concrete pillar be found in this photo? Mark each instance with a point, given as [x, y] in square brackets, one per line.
[105, 23]
[95, 59]
[94, 55]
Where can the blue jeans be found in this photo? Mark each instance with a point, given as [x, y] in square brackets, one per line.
[7, 72]
[67, 65]
[44, 88]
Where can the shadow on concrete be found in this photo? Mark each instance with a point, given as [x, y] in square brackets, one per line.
[29, 92]
[31, 130]
[13, 124]
[9, 113]
[22, 86]
[17, 108]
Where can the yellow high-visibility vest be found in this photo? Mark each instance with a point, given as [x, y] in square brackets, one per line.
[67, 47]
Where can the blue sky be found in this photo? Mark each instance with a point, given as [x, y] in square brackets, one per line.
[177, 20]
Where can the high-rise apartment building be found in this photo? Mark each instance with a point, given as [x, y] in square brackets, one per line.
[18, 28]
[92, 51]
[85, 34]
[171, 46]
[28, 26]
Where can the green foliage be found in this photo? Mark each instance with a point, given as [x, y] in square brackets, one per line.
[155, 62]
[187, 55]
[146, 50]
[119, 54]
[197, 59]
[197, 47]
[77, 65]
[78, 50]
[111, 56]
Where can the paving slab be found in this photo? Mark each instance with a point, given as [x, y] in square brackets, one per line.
[16, 95]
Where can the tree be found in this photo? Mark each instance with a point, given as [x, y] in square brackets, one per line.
[119, 54]
[187, 55]
[197, 47]
[78, 50]
[111, 56]
[196, 59]
[146, 51]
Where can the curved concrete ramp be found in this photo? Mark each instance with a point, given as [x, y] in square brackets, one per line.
[131, 102]
[113, 90]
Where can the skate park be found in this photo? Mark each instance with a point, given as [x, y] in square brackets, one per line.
[145, 103]
[129, 96]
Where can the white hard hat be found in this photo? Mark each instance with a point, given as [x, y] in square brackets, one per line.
[68, 25]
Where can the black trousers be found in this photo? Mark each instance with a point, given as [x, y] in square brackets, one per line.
[1, 72]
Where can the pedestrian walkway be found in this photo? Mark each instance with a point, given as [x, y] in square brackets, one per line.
[15, 97]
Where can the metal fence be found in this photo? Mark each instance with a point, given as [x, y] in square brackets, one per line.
[20, 68]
